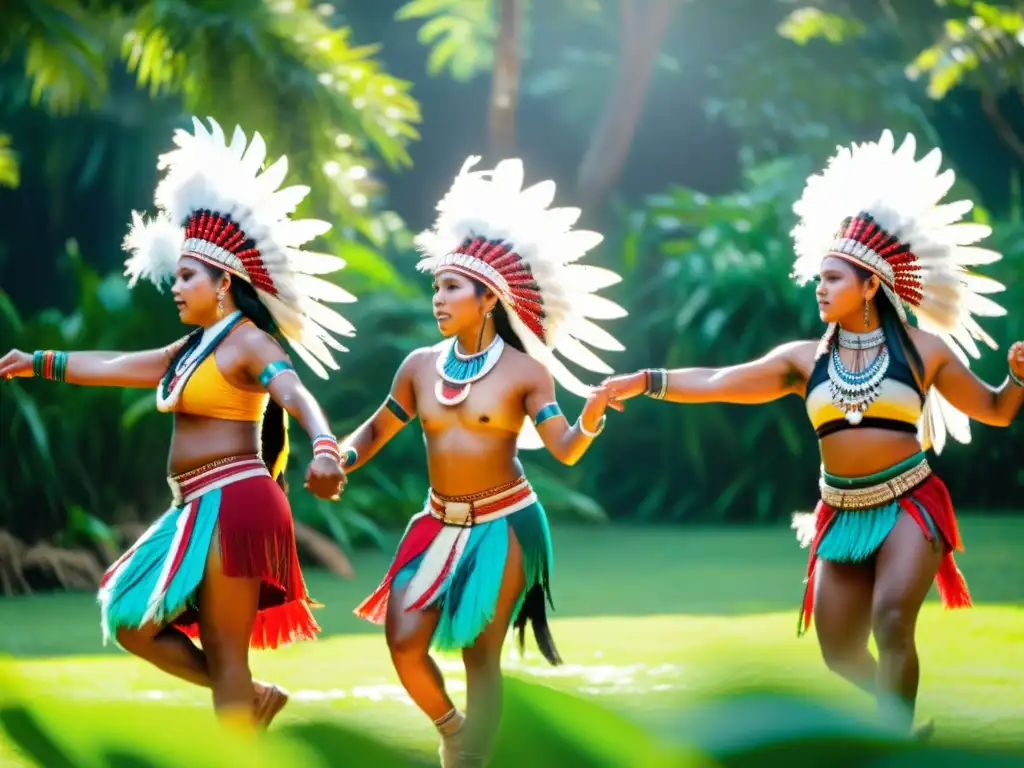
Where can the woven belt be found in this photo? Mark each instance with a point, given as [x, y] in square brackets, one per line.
[875, 495]
[190, 485]
[466, 511]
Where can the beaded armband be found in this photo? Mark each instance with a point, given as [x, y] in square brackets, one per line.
[326, 445]
[397, 410]
[548, 411]
[656, 383]
[273, 370]
[50, 365]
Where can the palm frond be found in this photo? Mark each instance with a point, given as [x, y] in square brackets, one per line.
[64, 50]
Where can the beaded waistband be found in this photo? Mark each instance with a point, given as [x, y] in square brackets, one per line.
[465, 511]
[875, 490]
[186, 486]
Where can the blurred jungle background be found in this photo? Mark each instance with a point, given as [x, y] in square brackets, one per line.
[684, 128]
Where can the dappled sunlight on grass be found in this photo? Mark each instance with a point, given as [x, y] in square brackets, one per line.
[656, 650]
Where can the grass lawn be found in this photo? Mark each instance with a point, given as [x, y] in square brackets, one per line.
[646, 618]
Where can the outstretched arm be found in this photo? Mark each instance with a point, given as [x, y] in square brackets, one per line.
[777, 374]
[387, 421]
[93, 369]
[566, 443]
[967, 393]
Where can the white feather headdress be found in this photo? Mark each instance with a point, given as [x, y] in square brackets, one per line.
[217, 204]
[492, 230]
[880, 208]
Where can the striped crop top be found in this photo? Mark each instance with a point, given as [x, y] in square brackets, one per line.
[897, 407]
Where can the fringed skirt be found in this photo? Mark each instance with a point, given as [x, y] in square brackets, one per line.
[157, 580]
[856, 514]
[452, 558]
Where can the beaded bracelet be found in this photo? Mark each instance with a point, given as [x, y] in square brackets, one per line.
[595, 433]
[50, 365]
[326, 445]
[656, 383]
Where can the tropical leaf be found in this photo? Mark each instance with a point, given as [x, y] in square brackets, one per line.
[985, 49]
[63, 46]
[460, 33]
[806, 24]
[9, 175]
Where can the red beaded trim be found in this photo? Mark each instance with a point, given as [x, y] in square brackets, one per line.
[898, 255]
[225, 233]
[526, 295]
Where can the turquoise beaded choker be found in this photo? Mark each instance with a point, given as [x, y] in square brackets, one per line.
[458, 370]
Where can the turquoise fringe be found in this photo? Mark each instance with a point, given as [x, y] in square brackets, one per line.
[126, 601]
[468, 598]
[855, 535]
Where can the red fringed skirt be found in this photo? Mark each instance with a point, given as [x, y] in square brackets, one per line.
[235, 500]
[931, 500]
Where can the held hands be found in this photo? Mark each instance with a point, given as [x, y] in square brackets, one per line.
[1016, 360]
[16, 364]
[325, 478]
[625, 386]
[598, 401]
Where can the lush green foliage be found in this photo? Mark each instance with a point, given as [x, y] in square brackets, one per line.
[90, 92]
[746, 726]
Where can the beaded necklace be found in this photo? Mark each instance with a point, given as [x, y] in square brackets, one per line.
[459, 370]
[853, 391]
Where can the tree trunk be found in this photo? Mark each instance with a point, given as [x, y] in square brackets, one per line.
[505, 81]
[644, 23]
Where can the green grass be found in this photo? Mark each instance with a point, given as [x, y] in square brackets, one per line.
[646, 619]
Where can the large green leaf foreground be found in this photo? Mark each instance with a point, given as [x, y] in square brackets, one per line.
[541, 727]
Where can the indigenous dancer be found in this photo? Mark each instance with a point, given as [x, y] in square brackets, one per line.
[879, 392]
[479, 557]
[221, 563]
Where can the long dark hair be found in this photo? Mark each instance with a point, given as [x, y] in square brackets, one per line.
[274, 430]
[901, 346]
[502, 325]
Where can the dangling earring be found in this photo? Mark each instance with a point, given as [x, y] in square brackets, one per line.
[220, 305]
[867, 315]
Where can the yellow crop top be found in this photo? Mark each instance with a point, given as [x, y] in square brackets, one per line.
[208, 393]
[898, 406]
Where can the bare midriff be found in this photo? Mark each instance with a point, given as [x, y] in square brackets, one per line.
[199, 440]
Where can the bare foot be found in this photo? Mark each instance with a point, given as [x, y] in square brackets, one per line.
[269, 701]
